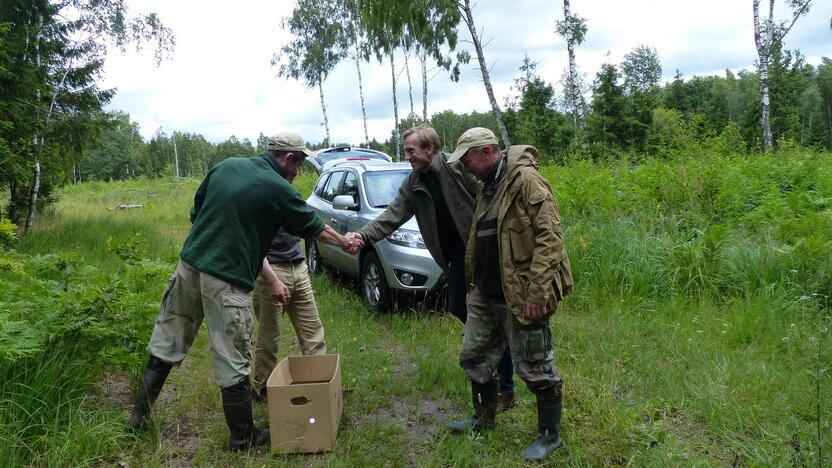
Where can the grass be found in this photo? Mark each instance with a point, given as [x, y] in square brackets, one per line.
[695, 336]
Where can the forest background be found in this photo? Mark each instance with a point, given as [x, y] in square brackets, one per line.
[697, 212]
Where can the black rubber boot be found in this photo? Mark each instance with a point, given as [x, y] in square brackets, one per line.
[155, 373]
[236, 404]
[549, 410]
[484, 397]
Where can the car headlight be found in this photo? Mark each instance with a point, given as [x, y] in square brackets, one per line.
[407, 238]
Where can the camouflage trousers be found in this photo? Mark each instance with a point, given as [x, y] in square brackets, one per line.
[192, 296]
[301, 309]
[490, 324]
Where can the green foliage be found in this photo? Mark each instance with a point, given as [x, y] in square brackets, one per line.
[51, 61]
[7, 233]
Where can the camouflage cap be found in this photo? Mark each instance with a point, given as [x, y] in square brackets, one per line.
[473, 138]
[288, 141]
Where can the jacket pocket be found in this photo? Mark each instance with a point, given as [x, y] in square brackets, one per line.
[521, 238]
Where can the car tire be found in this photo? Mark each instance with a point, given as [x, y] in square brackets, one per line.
[313, 258]
[374, 289]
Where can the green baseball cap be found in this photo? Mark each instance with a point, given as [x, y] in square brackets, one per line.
[473, 138]
[288, 141]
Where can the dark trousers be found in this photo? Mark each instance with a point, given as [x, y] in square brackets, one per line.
[457, 290]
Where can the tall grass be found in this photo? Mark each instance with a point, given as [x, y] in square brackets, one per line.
[47, 416]
[698, 333]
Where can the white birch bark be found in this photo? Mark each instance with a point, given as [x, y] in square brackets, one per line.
[395, 108]
[468, 17]
[423, 57]
[574, 92]
[323, 109]
[763, 41]
[409, 84]
[361, 93]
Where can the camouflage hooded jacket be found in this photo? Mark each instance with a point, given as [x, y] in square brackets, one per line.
[534, 266]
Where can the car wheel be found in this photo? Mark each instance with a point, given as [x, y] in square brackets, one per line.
[313, 258]
[374, 289]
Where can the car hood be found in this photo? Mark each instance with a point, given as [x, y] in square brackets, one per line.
[411, 223]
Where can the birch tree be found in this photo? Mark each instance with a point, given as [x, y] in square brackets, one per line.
[767, 34]
[353, 41]
[573, 29]
[427, 27]
[464, 7]
[314, 52]
[57, 52]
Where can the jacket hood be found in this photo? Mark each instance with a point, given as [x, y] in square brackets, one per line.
[520, 156]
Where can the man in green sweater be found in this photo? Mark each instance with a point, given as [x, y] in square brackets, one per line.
[237, 211]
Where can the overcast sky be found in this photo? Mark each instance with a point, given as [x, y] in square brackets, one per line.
[219, 81]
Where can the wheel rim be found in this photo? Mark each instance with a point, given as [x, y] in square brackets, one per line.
[372, 285]
[313, 258]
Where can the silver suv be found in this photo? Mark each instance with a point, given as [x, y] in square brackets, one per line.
[348, 195]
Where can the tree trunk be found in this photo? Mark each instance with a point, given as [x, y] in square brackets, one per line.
[763, 40]
[323, 109]
[395, 108]
[574, 92]
[38, 141]
[409, 84]
[468, 17]
[33, 198]
[424, 59]
[175, 155]
[361, 93]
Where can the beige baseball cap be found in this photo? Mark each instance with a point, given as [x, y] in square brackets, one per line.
[288, 141]
[473, 138]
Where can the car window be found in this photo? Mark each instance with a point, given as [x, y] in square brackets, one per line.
[319, 186]
[332, 186]
[383, 186]
[350, 186]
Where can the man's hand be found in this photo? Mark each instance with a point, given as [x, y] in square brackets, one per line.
[355, 242]
[534, 311]
[280, 292]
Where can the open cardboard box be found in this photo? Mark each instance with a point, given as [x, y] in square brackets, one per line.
[305, 403]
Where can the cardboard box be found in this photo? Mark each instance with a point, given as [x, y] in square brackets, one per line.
[305, 403]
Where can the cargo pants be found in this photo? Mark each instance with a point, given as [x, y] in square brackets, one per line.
[490, 324]
[191, 297]
[301, 309]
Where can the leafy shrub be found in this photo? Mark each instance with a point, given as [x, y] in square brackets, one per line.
[7, 233]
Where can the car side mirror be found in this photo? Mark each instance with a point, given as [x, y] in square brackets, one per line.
[344, 202]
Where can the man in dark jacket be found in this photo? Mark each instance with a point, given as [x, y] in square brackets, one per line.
[441, 196]
[238, 208]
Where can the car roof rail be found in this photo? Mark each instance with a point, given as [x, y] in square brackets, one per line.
[364, 163]
[338, 149]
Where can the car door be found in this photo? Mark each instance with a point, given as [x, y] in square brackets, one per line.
[330, 190]
[345, 221]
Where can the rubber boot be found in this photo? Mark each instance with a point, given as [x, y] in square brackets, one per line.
[484, 397]
[155, 373]
[236, 404]
[549, 410]
[506, 401]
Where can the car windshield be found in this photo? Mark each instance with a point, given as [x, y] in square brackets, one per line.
[332, 155]
[382, 186]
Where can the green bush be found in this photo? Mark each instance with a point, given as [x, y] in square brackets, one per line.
[7, 233]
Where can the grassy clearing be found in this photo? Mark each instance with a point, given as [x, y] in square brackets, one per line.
[698, 334]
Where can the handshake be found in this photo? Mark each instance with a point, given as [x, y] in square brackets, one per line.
[354, 243]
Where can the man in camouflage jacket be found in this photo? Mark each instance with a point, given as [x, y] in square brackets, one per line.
[518, 271]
